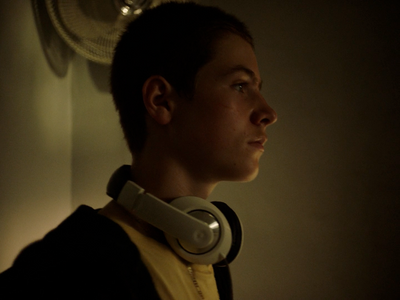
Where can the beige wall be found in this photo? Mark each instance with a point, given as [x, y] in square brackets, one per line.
[35, 134]
[322, 217]
[98, 146]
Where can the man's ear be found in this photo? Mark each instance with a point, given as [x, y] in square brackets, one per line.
[158, 98]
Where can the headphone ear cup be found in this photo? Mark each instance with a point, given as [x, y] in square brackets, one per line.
[118, 180]
[236, 229]
[221, 244]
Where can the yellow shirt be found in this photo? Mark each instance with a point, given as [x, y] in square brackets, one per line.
[173, 277]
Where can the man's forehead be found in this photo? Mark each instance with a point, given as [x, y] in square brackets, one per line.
[237, 69]
[232, 55]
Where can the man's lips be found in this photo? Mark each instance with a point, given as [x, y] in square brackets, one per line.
[259, 142]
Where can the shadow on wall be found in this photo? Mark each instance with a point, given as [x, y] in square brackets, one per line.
[100, 75]
[58, 53]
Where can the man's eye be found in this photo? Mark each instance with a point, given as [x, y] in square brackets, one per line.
[239, 87]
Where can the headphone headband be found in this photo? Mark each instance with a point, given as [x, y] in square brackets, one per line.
[160, 214]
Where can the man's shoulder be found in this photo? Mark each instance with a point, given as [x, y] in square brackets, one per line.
[83, 235]
[87, 253]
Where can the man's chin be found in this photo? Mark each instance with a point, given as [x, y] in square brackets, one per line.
[249, 176]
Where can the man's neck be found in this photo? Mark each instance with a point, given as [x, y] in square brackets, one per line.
[166, 179]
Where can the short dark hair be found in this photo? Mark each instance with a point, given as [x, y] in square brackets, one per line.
[173, 40]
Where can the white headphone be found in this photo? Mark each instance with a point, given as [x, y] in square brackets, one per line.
[197, 230]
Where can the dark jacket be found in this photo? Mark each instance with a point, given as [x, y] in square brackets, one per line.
[87, 256]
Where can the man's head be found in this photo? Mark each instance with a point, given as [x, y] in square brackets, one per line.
[173, 40]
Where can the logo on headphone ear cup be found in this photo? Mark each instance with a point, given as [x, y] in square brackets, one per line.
[203, 210]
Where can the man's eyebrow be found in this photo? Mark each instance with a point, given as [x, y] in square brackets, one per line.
[241, 68]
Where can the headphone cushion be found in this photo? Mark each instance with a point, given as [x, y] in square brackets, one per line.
[236, 229]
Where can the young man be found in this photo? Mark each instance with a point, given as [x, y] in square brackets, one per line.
[186, 83]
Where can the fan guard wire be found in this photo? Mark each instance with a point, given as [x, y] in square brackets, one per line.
[91, 27]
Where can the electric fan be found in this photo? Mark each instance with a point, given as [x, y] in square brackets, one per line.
[93, 27]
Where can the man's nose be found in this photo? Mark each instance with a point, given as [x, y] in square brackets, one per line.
[263, 114]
